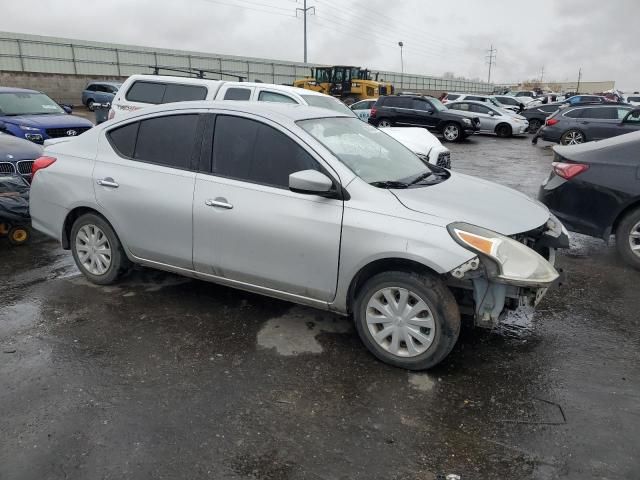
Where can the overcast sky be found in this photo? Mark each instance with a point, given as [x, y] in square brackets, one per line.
[439, 36]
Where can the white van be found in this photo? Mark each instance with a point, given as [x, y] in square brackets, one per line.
[139, 91]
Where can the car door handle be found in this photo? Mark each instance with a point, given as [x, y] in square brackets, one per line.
[218, 202]
[108, 182]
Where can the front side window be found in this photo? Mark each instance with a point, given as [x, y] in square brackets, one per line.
[480, 109]
[622, 113]
[266, 96]
[27, 103]
[251, 151]
[577, 113]
[633, 117]
[370, 153]
[452, 97]
[421, 105]
[237, 94]
[167, 140]
[600, 113]
[325, 101]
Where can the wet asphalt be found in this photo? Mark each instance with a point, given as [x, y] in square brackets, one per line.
[165, 377]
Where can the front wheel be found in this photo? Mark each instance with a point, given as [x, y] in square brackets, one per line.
[503, 130]
[407, 320]
[628, 238]
[572, 137]
[90, 105]
[97, 250]
[452, 132]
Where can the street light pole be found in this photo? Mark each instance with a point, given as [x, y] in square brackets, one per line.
[401, 44]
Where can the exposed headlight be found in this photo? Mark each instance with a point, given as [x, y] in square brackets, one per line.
[29, 129]
[466, 121]
[508, 260]
[555, 227]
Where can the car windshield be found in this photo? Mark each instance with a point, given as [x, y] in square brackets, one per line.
[371, 154]
[496, 103]
[327, 102]
[27, 103]
[633, 99]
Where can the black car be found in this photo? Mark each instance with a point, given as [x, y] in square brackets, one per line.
[575, 125]
[594, 190]
[17, 155]
[537, 115]
[421, 111]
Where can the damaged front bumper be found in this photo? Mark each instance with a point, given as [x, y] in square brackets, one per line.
[491, 300]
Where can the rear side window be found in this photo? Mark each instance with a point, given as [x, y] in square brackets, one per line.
[577, 113]
[146, 92]
[275, 97]
[165, 140]
[600, 113]
[123, 139]
[237, 94]
[251, 151]
[399, 102]
[452, 97]
[183, 93]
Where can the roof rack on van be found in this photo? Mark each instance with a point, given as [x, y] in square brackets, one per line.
[199, 72]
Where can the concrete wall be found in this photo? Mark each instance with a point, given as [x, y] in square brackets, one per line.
[61, 87]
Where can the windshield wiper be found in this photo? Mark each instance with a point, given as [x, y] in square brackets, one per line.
[420, 177]
[389, 184]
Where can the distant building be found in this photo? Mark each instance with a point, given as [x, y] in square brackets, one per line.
[560, 87]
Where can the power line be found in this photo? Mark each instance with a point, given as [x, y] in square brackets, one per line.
[491, 58]
[244, 7]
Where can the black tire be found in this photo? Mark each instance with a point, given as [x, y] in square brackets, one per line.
[534, 125]
[90, 106]
[452, 132]
[119, 262]
[573, 137]
[504, 130]
[629, 223]
[18, 235]
[434, 294]
[382, 121]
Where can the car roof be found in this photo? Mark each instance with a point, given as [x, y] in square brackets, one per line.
[474, 102]
[104, 82]
[17, 90]
[286, 111]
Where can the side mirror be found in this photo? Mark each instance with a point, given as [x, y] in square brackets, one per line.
[67, 108]
[310, 182]
[492, 113]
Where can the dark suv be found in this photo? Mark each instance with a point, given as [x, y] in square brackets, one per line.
[419, 111]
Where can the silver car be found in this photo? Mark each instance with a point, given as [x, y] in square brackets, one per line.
[302, 204]
[504, 123]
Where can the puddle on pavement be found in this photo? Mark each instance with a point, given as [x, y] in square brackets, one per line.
[14, 318]
[421, 381]
[294, 334]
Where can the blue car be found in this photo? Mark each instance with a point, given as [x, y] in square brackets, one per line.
[34, 116]
[99, 92]
[17, 156]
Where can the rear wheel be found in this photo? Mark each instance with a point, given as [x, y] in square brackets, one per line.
[504, 130]
[90, 105]
[407, 320]
[534, 125]
[384, 123]
[452, 132]
[97, 250]
[572, 137]
[628, 238]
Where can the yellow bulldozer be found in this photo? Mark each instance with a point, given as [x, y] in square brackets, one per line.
[348, 83]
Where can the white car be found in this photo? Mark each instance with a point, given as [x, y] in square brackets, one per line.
[362, 109]
[493, 120]
[423, 143]
[140, 91]
[633, 99]
[459, 97]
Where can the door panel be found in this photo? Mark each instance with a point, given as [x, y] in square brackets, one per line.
[271, 237]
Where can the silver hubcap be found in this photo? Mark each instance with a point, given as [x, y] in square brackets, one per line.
[634, 239]
[93, 249]
[451, 132]
[400, 322]
[573, 138]
[384, 123]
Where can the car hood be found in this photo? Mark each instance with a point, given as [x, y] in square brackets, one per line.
[48, 121]
[463, 198]
[418, 140]
[14, 148]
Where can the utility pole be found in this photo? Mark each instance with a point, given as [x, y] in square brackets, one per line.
[304, 13]
[401, 44]
[542, 75]
[491, 60]
[579, 77]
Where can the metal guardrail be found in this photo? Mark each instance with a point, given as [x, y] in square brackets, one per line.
[68, 61]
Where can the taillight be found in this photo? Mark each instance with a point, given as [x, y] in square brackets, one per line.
[568, 170]
[373, 112]
[40, 163]
[551, 121]
[112, 113]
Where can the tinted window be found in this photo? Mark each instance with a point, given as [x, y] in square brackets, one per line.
[477, 99]
[399, 102]
[167, 140]
[548, 108]
[633, 99]
[421, 105]
[600, 113]
[508, 100]
[92, 88]
[146, 92]
[123, 139]
[577, 113]
[237, 94]
[183, 93]
[275, 97]
[480, 109]
[452, 97]
[247, 150]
